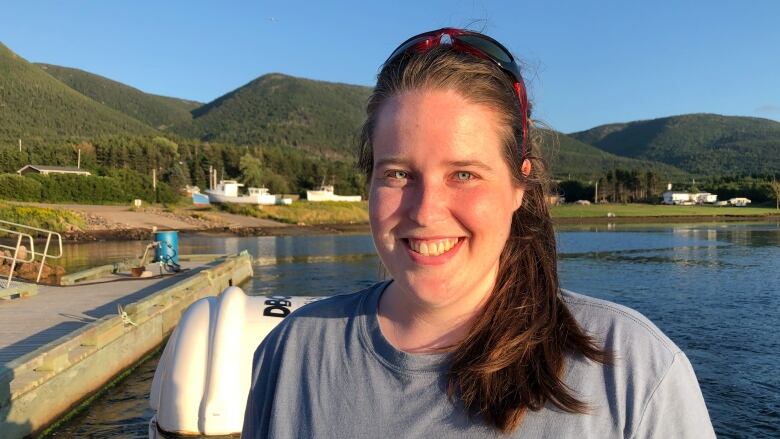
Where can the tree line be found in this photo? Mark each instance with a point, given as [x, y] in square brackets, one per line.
[130, 160]
[631, 186]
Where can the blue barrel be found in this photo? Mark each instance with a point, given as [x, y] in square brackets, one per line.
[168, 250]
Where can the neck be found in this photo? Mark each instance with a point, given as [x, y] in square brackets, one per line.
[416, 327]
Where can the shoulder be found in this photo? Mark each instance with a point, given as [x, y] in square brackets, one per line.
[618, 327]
[329, 311]
[323, 319]
[650, 381]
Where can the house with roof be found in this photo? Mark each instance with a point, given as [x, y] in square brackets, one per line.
[46, 170]
[687, 198]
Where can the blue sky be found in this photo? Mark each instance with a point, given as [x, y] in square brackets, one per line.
[589, 63]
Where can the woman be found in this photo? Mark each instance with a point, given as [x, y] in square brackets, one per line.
[472, 336]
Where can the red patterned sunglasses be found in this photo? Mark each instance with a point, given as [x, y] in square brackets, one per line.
[481, 46]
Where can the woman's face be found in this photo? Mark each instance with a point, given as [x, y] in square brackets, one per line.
[442, 196]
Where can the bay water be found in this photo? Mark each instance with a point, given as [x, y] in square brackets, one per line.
[713, 288]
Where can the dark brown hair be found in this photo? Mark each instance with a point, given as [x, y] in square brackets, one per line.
[512, 359]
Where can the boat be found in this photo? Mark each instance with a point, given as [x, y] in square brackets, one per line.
[326, 193]
[203, 377]
[199, 199]
[227, 192]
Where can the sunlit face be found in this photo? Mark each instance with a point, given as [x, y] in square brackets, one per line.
[441, 198]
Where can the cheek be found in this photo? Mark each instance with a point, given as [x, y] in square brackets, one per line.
[383, 206]
[485, 210]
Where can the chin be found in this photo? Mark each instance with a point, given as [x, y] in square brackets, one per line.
[431, 289]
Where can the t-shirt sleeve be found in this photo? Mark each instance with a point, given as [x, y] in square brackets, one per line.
[676, 408]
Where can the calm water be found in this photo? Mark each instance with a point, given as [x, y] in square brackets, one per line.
[714, 289]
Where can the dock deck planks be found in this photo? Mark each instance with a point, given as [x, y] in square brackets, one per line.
[29, 323]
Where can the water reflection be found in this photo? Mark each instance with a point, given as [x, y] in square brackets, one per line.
[79, 256]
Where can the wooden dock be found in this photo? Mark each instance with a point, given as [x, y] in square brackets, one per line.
[28, 323]
[63, 344]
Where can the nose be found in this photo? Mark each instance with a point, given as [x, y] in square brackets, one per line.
[428, 203]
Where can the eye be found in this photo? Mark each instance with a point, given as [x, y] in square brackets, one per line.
[397, 174]
[463, 176]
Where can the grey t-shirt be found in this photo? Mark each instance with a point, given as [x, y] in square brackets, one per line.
[328, 372]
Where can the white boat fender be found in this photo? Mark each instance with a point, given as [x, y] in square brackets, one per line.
[203, 377]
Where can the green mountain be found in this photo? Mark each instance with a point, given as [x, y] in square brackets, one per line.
[569, 158]
[34, 105]
[157, 111]
[276, 109]
[703, 144]
[323, 118]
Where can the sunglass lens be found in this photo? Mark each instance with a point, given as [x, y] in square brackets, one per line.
[488, 47]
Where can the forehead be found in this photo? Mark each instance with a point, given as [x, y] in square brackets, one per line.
[437, 123]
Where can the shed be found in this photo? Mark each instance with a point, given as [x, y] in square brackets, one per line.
[46, 170]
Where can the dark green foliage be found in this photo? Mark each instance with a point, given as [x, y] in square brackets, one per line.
[628, 186]
[251, 170]
[275, 183]
[616, 186]
[574, 190]
[120, 186]
[703, 144]
[569, 158]
[757, 188]
[16, 187]
[276, 109]
[38, 108]
[136, 185]
[294, 134]
[157, 111]
[79, 188]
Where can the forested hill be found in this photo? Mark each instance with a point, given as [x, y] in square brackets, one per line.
[157, 111]
[569, 158]
[51, 105]
[35, 106]
[276, 109]
[704, 144]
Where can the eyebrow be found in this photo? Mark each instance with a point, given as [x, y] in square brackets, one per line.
[390, 161]
[453, 163]
[467, 163]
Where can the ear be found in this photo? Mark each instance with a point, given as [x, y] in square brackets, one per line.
[525, 168]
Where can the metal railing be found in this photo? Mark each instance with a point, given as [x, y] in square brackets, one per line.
[24, 234]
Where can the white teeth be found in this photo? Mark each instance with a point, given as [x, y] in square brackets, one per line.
[432, 248]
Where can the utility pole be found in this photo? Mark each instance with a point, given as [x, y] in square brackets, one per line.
[78, 161]
[596, 198]
[154, 179]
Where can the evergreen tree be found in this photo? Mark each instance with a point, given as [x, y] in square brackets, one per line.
[251, 170]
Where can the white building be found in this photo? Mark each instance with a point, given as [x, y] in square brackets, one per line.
[687, 198]
[675, 197]
[739, 202]
[705, 197]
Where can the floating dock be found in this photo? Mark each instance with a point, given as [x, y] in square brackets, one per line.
[64, 343]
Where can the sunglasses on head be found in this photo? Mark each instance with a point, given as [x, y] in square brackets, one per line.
[479, 45]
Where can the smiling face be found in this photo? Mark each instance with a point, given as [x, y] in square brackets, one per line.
[441, 198]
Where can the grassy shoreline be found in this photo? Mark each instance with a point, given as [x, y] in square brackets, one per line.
[55, 219]
[305, 218]
[613, 211]
[305, 213]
